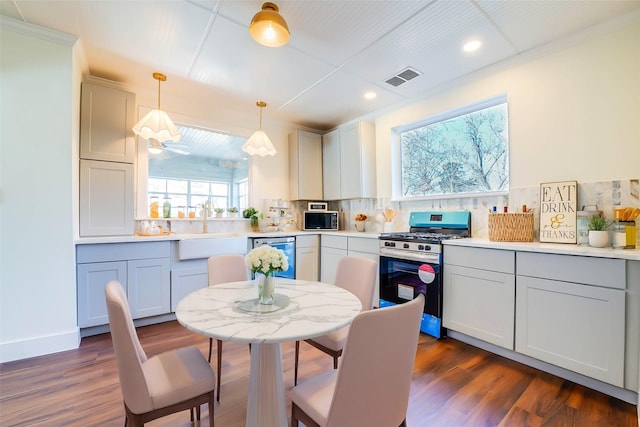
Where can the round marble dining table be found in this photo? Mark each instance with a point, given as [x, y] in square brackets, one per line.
[301, 310]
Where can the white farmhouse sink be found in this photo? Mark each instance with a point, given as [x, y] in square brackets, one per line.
[206, 247]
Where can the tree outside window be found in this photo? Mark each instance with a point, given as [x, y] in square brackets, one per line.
[454, 153]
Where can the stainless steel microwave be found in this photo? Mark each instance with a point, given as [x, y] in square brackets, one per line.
[321, 220]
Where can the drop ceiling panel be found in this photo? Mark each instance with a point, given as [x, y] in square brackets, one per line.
[254, 71]
[436, 52]
[532, 23]
[339, 98]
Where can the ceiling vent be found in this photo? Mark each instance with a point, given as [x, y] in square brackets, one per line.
[403, 76]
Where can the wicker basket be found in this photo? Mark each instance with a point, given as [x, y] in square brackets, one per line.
[511, 227]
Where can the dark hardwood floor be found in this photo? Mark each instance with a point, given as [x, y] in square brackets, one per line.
[454, 384]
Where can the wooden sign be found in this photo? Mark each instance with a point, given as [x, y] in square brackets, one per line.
[558, 206]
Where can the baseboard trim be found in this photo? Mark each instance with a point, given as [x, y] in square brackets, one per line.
[39, 346]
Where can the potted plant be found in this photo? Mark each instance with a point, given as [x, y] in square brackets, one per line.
[360, 221]
[219, 212]
[254, 215]
[598, 234]
[233, 212]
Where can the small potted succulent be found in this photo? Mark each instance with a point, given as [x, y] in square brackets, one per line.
[360, 221]
[219, 212]
[233, 212]
[598, 234]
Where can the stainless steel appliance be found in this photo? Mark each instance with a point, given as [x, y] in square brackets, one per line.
[287, 245]
[411, 262]
[321, 220]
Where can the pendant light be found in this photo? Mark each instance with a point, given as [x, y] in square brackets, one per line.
[268, 27]
[259, 143]
[157, 125]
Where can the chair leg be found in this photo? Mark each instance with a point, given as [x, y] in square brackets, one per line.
[191, 414]
[211, 420]
[295, 367]
[335, 362]
[210, 348]
[219, 349]
[198, 412]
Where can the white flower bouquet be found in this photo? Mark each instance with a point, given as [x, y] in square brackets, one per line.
[267, 260]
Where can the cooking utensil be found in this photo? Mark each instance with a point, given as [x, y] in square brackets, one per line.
[388, 214]
[634, 214]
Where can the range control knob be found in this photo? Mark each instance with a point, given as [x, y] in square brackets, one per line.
[427, 247]
[406, 246]
[390, 244]
[420, 247]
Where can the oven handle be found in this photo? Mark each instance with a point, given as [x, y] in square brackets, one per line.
[400, 254]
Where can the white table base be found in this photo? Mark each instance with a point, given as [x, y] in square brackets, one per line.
[266, 405]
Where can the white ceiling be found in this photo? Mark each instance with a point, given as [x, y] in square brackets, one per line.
[337, 51]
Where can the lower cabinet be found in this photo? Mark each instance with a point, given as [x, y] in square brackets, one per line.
[186, 280]
[365, 247]
[307, 257]
[141, 268]
[574, 325]
[479, 294]
[332, 250]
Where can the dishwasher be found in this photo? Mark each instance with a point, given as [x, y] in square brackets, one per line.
[287, 245]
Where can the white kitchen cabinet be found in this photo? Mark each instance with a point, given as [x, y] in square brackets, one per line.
[107, 118]
[106, 198]
[570, 311]
[364, 247]
[331, 165]
[186, 280]
[349, 157]
[305, 166]
[307, 257]
[141, 268]
[332, 250]
[479, 293]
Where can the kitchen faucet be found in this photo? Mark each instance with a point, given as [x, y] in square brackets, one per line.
[206, 211]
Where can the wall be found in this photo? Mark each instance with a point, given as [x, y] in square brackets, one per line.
[39, 130]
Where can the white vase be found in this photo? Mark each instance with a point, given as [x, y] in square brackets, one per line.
[266, 288]
[598, 239]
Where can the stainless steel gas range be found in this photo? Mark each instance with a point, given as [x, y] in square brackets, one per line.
[411, 262]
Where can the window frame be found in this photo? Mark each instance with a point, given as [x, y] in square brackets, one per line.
[396, 153]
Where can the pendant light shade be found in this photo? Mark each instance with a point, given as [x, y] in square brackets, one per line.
[268, 27]
[157, 125]
[259, 143]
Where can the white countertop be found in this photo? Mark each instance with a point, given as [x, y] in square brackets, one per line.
[549, 248]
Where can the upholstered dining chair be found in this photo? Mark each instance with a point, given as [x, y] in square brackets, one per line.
[358, 276]
[371, 386]
[224, 269]
[161, 385]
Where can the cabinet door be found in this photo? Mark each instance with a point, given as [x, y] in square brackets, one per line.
[479, 303]
[305, 166]
[330, 257]
[92, 279]
[185, 281]
[331, 165]
[307, 263]
[149, 287]
[573, 326]
[106, 121]
[106, 198]
[351, 170]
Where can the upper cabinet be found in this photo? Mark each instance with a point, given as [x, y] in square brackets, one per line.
[305, 166]
[107, 118]
[349, 163]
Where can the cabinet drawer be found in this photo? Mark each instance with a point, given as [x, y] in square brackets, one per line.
[606, 272]
[121, 251]
[480, 258]
[338, 242]
[363, 244]
[311, 241]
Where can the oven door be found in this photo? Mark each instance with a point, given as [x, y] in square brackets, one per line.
[401, 280]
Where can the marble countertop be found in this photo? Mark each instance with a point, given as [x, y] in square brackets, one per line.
[314, 309]
[549, 248]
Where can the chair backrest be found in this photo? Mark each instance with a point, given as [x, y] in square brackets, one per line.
[358, 276]
[374, 379]
[227, 268]
[129, 353]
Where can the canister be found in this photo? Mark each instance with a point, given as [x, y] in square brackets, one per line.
[630, 234]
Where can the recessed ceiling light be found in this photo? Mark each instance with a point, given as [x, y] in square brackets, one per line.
[370, 95]
[472, 46]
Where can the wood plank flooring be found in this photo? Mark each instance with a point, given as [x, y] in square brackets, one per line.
[454, 384]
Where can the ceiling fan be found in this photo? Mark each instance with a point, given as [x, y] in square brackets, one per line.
[157, 147]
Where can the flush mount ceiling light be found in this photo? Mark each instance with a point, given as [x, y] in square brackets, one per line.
[268, 27]
[472, 46]
[259, 143]
[157, 125]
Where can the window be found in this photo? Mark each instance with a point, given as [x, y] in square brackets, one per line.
[203, 165]
[464, 151]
